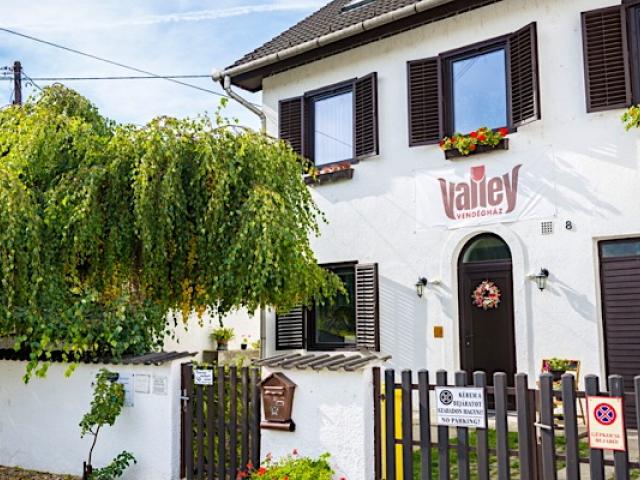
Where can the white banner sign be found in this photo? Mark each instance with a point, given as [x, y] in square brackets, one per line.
[203, 376]
[485, 191]
[460, 407]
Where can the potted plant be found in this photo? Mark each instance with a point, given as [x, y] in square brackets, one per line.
[557, 367]
[482, 140]
[222, 336]
[245, 342]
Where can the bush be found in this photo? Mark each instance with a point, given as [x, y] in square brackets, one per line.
[293, 467]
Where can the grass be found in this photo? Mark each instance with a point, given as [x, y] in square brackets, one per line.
[493, 461]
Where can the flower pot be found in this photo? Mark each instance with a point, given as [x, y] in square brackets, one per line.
[222, 345]
[454, 153]
[243, 346]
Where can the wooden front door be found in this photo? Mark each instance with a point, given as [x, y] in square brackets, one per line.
[620, 286]
[487, 339]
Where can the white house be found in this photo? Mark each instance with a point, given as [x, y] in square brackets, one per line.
[367, 88]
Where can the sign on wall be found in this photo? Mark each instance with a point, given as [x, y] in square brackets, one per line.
[485, 191]
[203, 376]
[606, 423]
[460, 407]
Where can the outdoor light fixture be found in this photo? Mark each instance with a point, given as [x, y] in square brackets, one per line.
[420, 284]
[541, 278]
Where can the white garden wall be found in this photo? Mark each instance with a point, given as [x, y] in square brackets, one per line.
[39, 421]
[333, 412]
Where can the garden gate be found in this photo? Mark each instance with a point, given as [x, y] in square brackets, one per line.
[546, 442]
[220, 422]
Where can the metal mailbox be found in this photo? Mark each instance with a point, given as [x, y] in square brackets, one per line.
[277, 401]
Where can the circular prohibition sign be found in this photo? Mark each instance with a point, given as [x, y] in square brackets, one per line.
[605, 414]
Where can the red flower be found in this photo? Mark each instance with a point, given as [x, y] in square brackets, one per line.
[261, 471]
[286, 477]
[472, 147]
[504, 132]
[454, 139]
[441, 143]
[250, 465]
[481, 138]
[473, 134]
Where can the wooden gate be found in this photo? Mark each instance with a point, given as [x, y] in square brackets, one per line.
[220, 423]
[543, 439]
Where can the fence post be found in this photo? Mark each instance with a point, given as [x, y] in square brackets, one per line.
[200, 424]
[233, 421]
[482, 434]
[502, 430]
[547, 427]
[443, 436]
[425, 425]
[620, 458]
[464, 472]
[222, 442]
[636, 384]
[377, 430]
[257, 416]
[188, 437]
[524, 427]
[244, 449]
[570, 426]
[390, 422]
[596, 465]
[407, 426]
[211, 433]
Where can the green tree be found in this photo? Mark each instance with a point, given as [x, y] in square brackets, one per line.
[108, 231]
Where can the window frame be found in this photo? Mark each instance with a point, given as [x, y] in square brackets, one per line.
[309, 122]
[446, 64]
[310, 325]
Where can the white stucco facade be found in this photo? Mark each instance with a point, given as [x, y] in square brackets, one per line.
[39, 421]
[592, 169]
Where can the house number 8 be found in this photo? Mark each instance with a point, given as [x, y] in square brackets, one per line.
[568, 225]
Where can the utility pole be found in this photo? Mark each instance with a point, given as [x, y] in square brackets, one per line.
[17, 83]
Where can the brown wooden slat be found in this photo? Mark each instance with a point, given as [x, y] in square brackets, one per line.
[523, 70]
[425, 122]
[366, 115]
[367, 313]
[290, 122]
[290, 329]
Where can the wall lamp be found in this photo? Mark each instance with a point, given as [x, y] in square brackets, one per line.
[420, 284]
[541, 278]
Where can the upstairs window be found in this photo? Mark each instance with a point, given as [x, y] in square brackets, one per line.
[478, 90]
[490, 84]
[333, 124]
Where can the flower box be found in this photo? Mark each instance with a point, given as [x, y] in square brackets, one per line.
[453, 153]
[329, 174]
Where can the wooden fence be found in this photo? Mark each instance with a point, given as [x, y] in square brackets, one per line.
[541, 442]
[220, 423]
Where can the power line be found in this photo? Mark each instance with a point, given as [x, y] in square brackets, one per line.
[117, 77]
[111, 62]
[30, 81]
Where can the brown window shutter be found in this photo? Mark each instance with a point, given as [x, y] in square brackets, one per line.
[290, 329]
[367, 310]
[366, 115]
[523, 70]
[290, 122]
[606, 59]
[425, 122]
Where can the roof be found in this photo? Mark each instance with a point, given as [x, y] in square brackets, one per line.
[382, 18]
[153, 358]
[322, 361]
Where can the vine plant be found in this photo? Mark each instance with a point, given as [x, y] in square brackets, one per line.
[108, 231]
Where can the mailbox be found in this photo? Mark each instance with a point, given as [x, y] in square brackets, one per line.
[277, 401]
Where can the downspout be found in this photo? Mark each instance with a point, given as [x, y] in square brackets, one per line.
[226, 85]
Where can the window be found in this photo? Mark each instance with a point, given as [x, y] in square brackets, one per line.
[350, 322]
[491, 84]
[333, 124]
[354, 4]
[333, 325]
[478, 91]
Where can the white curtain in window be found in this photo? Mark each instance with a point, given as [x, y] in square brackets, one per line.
[333, 128]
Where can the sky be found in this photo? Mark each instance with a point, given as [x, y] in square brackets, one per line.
[168, 37]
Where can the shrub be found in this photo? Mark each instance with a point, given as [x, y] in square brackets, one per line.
[293, 467]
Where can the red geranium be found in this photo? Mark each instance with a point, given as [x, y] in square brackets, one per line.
[504, 132]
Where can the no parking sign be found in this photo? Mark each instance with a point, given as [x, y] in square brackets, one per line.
[606, 423]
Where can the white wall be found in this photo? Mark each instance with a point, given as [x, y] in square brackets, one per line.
[194, 335]
[333, 412]
[372, 218]
[39, 422]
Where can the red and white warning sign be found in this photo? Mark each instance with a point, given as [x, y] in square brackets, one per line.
[606, 423]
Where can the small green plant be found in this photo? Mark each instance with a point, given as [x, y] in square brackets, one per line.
[467, 144]
[558, 364]
[255, 345]
[631, 117]
[106, 406]
[292, 467]
[222, 336]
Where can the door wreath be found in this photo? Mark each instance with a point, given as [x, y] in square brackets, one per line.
[486, 295]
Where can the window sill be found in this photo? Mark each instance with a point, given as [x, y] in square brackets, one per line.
[329, 176]
[455, 154]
